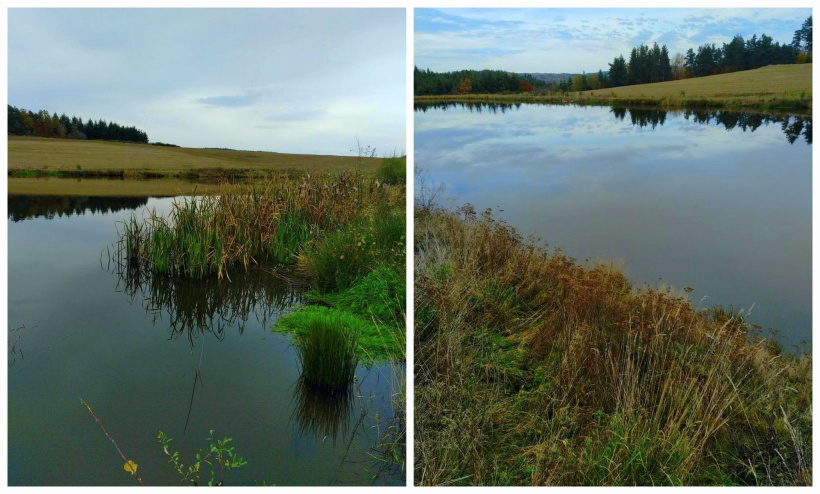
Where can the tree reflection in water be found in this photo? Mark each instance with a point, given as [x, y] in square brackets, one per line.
[793, 126]
[199, 307]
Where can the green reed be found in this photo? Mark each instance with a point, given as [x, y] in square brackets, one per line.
[247, 224]
[327, 350]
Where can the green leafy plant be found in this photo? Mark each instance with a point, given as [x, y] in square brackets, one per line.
[210, 461]
[341, 257]
[392, 171]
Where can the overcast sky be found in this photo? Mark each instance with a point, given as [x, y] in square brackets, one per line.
[576, 40]
[299, 81]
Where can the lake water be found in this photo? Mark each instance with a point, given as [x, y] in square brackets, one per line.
[717, 201]
[148, 354]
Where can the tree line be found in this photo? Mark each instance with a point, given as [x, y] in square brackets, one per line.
[42, 124]
[738, 54]
[653, 64]
[427, 82]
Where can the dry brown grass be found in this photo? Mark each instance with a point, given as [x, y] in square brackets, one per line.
[533, 370]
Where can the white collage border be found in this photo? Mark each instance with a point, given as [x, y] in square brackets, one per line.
[409, 5]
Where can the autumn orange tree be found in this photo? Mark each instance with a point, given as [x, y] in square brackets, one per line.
[465, 86]
[525, 87]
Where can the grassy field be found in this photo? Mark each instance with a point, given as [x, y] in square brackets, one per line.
[38, 153]
[777, 87]
[531, 369]
[140, 169]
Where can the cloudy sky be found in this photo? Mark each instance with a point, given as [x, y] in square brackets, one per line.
[575, 40]
[300, 81]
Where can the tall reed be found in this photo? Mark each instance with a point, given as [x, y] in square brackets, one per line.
[246, 224]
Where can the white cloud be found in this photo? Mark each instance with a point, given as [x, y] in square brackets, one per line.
[575, 40]
[286, 80]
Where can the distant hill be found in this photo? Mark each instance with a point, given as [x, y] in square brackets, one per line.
[547, 77]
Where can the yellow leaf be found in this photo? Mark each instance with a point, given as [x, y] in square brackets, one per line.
[130, 467]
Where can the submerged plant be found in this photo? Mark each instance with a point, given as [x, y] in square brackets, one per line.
[129, 466]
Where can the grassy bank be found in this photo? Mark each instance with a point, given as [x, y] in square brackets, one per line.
[773, 88]
[357, 275]
[533, 370]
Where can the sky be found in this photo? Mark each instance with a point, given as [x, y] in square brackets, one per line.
[285, 80]
[576, 40]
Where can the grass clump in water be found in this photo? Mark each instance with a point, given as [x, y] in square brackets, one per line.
[531, 369]
[327, 347]
[373, 342]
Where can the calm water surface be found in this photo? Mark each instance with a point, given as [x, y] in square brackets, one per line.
[157, 354]
[720, 202]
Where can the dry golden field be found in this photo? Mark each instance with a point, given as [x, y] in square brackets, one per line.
[38, 165]
[37, 153]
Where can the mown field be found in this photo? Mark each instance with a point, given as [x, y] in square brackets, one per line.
[140, 169]
[777, 87]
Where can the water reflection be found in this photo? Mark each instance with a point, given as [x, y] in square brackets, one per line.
[697, 202]
[793, 126]
[320, 412]
[24, 207]
[69, 329]
[209, 305]
[197, 307]
[641, 117]
[477, 107]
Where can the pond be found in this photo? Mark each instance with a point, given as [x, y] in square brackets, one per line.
[162, 354]
[716, 201]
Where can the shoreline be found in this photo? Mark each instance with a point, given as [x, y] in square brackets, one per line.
[802, 106]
